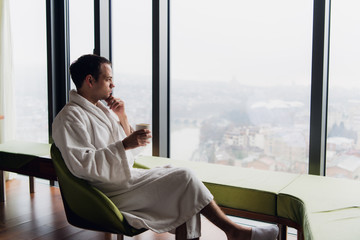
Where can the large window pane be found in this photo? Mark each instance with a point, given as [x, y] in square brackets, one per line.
[28, 19]
[240, 82]
[343, 146]
[81, 18]
[132, 58]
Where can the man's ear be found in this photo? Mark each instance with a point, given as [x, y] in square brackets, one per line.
[89, 80]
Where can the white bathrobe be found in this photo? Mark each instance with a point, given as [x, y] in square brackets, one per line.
[161, 199]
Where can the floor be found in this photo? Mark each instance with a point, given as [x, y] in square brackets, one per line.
[40, 216]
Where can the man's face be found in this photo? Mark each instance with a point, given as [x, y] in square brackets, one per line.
[104, 84]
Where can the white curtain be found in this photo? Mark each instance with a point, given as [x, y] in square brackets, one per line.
[6, 76]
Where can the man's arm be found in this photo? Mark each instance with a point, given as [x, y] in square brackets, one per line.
[125, 125]
[118, 107]
[134, 139]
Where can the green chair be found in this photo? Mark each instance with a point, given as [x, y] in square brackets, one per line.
[87, 207]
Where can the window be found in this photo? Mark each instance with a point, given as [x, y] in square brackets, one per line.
[343, 126]
[81, 18]
[240, 82]
[29, 69]
[132, 58]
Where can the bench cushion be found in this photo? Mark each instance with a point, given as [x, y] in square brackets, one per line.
[15, 154]
[320, 204]
[234, 187]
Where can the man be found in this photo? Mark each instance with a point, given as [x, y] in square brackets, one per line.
[97, 144]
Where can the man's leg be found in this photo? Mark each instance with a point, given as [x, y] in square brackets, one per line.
[232, 230]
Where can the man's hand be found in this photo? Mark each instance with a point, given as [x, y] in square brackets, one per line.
[137, 139]
[117, 105]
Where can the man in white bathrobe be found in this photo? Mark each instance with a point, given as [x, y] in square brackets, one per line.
[97, 144]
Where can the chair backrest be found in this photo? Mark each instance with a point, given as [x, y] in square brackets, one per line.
[85, 206]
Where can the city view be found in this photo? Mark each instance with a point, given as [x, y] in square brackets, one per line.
[232, 124]
[259, 127]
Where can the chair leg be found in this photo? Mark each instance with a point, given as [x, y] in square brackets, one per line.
[31, 184]
[52, 183]
[282, 232]
[300, 235]
[120, 237]
[2, 186]
[108, 236]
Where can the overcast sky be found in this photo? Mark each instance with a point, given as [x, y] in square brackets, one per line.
[256, 42]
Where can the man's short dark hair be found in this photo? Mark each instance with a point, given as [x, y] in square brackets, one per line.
[85, 65]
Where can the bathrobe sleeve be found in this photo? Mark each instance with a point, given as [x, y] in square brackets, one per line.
[78, 137]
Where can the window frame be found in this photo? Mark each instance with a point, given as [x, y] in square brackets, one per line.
[59, 79]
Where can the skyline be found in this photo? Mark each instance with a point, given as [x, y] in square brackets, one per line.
[280, 124]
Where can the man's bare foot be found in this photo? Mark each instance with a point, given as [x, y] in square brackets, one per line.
[265, 233]
[256, 233]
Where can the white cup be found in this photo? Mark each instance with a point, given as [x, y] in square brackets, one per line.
[140, 126]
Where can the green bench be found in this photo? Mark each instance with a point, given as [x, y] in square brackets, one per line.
[320, 208]
[326, 208]
[27, 158]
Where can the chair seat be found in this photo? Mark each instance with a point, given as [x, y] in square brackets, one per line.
[87, 207]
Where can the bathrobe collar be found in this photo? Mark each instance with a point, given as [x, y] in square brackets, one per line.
[99, 110]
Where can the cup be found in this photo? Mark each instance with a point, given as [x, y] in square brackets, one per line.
[140, 126]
